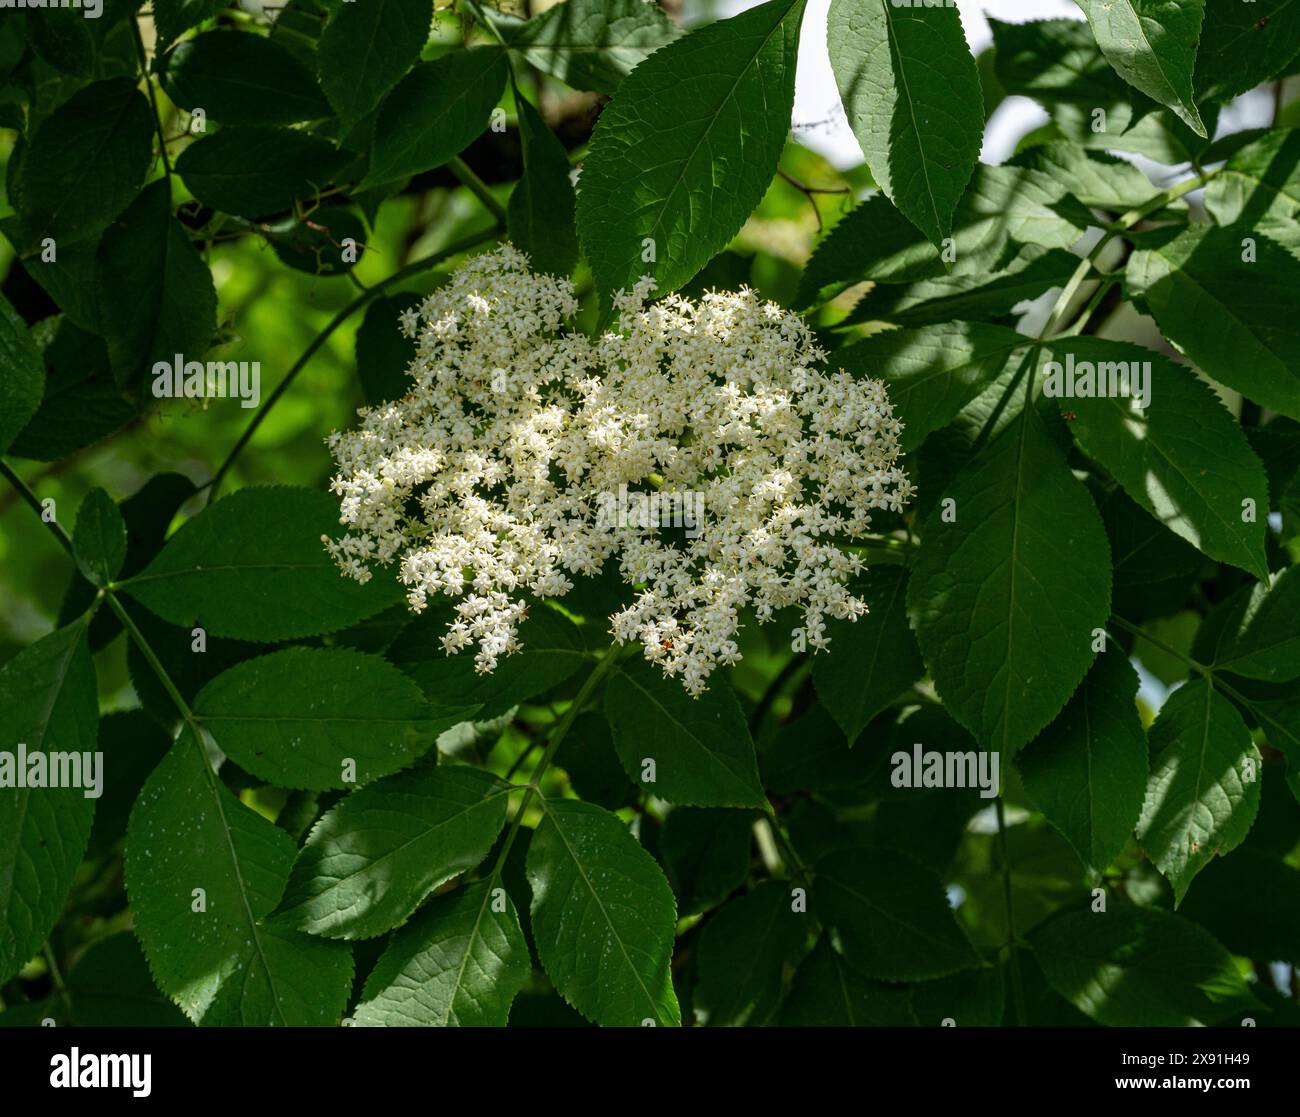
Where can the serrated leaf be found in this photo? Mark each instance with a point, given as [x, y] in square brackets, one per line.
[551, 650]
[593, 44]
[1259, 184]
[175, 17]
[240, 78]
[588, 758]
[435, 112]
[684, 152]
[1002, 207]
[1183, 458]
[383, 354]
[1004, 600]
[222, 965]
[1095, 178]
[22, 375]
[366, 48]
[828, 993]
[374, 858]
[111, 987]
[932, 371]
[702, 751]
[603, 917]
[1087, 771]
[1267, 645]
[252, 566]
[1203, 791]
[810, 753]
[1053, 61]
[1152, 45]
[99, 538]
[1243, 45]
[991, 295]
[540, 213]
[706, 854]
[742, 954]
[156, 296]
[1233, 318]
[890, 915]
[872, 660]
[971, 999]
[254, 170]
[1131, 967]
[459, 963]
[913, 98]
[86, 161]
[297, 717]
[47, 703]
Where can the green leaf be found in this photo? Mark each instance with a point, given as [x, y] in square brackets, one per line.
[701, 748]
[366, 48]
[374, 858]
[827, 993]
[132, 744]
[81, 403]
[1005, 598]
[972, 999]
[1003, 207]
[255, 170]
[551, 651]
[592, 44]
[156, 296]
[872, 660]
[603, 917]
[383, 354]
[587, 756]
[22, 375]
[1233, 318]
[686, 149]
[932, 371]
[1251, 904]
[222, 965]
[1267, 645]
[913, 98]
[86, 161]
[240, 78]
[990, 295]
[1095, 178]
[459, 963]
[891, 915]
[810, 753]
[251, 566]
[99, 538]
[742, 954]
[298, 717]
[1087, 771]
[111, 987]
[1183, 458]
[1152, 45]
[540, 213]
[1055, 61]
[436, 112]
[706, 853]
[319, 248]
[1243, 45]
[175, 17]
[47, 703]
[1131, 967]
[1259, 185]
[1203, 792]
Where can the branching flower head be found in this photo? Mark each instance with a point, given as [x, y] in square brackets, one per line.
[697, 445]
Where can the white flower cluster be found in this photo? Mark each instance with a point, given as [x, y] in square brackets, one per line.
[488, 480]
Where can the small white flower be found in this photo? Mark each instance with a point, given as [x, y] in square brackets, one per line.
[495, 476]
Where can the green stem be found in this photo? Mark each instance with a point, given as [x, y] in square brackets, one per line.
[30, 497]
[153, 102]
[603, 667]
[56, 977]
[463, 245]
[1013, 953]
[1208, 673]
[477, 187]
[152, 659]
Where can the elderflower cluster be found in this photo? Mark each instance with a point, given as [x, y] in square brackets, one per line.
[506, 469]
